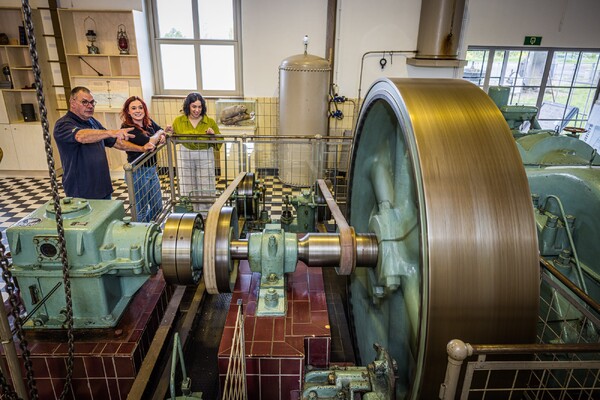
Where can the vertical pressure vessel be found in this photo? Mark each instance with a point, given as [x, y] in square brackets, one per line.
[303, 111]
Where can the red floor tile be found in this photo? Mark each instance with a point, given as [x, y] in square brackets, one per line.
[106, 360]
[263, 330]
[275, 346]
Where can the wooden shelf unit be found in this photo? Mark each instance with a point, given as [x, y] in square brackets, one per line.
[22, 142]
[111, 76]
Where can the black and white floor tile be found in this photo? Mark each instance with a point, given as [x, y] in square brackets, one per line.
[21, 196]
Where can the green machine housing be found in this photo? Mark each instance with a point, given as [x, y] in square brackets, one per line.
[109, 259]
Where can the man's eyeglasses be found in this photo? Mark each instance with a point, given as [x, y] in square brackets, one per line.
[86, 103]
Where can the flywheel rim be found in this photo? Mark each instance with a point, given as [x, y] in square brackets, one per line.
[245, 203]
[220, 270]
[464, 165]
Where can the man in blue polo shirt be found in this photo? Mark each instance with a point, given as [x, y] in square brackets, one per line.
[81, 140]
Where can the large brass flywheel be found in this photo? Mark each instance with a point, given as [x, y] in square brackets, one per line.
[437, 177]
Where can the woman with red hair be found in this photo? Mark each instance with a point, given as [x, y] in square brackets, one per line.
[147, 135]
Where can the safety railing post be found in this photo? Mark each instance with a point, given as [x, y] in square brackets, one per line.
[244, 149]
[172, 165]
[458, 351]
[318, 151]
[131, 191]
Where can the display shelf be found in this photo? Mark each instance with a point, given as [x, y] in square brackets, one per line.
[21, 140]
[19, 90]
[14, 98]
[114, 66]
[75, 23]
[121, 74]
[10, 21]
[23, 79]
[111, 76]
[18, 55]
[19, 62]
[16, 60]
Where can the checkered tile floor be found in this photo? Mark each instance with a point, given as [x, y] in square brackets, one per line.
[22, 196]
[274, 194]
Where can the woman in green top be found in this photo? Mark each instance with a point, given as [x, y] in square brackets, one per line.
[196, 158]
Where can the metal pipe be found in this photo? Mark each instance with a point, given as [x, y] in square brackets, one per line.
[238, 249]
[11, 356]
[321, 249]
[440, 29]
[176, 355]
[571, 242]
[367, 250]
[362, 64]
[535, 348]
[324, 250]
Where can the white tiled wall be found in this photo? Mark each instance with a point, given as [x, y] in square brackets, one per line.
[165, 110]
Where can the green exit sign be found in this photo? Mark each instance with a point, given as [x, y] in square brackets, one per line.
[533, 40]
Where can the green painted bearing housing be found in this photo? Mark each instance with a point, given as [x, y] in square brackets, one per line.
[109, 259]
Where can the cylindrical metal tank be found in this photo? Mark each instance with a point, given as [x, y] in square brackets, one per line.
[303, 111]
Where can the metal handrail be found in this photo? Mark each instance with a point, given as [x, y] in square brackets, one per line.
[458, 351]
[570, 285]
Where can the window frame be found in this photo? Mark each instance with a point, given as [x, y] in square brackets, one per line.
[488, 63]
[157, 41]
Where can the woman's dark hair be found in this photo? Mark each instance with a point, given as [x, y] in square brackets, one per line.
[192, 97]
[126, 117]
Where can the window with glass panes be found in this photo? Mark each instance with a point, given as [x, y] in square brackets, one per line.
[563, 84]
[196, 46]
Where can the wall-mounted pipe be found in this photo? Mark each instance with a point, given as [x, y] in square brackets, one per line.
[362, 64]
[440, 29]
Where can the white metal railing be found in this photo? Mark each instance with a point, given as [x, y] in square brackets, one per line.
[295, 162]
[564, 364]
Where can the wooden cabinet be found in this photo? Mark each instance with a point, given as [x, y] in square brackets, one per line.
[3, 112]
[29, 145]
[9, 158]
[23, 147]
[22, 142]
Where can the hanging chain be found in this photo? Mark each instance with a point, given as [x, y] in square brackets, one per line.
[7, 392]
[55, 196]
[15, 312]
